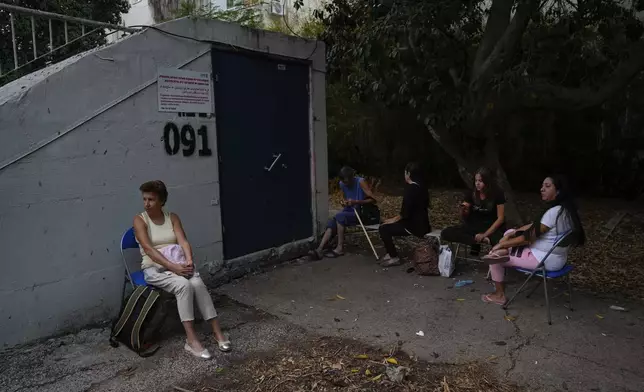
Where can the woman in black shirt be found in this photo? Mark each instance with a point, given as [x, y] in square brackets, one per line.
[483, 213]
[413, 218]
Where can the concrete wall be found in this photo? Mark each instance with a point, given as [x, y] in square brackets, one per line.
[64, 207]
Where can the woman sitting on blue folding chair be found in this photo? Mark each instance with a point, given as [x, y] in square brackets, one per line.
[357, 196]
[157, 231]
[527, 246]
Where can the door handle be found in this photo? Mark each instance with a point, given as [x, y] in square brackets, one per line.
[277, 157]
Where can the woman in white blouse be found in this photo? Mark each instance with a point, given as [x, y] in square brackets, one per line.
[527, 246]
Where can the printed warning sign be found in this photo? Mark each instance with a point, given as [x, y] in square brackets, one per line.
[184, 91]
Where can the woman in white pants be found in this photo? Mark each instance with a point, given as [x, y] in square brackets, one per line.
[156, 229]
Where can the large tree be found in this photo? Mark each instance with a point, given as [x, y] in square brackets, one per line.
[107, 11]
[465, 66]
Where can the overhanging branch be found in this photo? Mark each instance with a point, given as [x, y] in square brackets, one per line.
[546, 95]
[506, 45]
[496, 25]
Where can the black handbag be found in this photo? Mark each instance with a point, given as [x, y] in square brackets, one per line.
[369, 214]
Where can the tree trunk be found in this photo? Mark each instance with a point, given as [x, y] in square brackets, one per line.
[469, 161]
[512, 215]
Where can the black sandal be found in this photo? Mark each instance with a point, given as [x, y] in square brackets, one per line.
[315, 255]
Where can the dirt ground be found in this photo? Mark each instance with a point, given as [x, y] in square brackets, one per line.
[612, 267]
[335, 364]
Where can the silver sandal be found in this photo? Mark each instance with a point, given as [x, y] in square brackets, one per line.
[224, 346]
[204, 354]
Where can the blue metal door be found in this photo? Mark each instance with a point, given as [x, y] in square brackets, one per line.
[262, 112]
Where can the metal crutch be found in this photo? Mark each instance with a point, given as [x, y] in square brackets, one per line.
[366, 234]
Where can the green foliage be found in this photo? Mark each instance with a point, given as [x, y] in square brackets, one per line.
[305, 26]
[380, 141]
[423, 54]
[483, 80]
[311, 28]
[244, 13]
[108, 11]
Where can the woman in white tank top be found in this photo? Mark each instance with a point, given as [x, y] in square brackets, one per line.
[156, 229]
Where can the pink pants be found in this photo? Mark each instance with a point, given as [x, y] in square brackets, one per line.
[522, 258]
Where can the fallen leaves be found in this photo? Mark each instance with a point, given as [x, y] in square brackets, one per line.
[332, 364]
[378, 377]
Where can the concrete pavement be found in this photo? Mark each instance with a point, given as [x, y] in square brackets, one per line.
[591, 349]
[353, 297]
[86, 362]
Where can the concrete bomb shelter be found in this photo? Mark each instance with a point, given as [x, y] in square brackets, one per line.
[248, 177]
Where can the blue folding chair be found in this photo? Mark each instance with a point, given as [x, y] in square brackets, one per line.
[564, 240]
[128, 241]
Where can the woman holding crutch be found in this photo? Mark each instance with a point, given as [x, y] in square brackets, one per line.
[356, 193]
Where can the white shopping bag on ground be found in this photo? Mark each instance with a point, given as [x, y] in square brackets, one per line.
[445, 263]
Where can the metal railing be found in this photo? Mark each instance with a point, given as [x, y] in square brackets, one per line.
[51, 48]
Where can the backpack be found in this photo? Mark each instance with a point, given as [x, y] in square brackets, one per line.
[140, 321]
[425, 257]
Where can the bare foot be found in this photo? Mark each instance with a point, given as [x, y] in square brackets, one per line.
[494, 298]
[497, 297]
[220, 337]
[502, 252]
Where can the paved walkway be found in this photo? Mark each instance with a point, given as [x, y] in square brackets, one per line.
[591, 349]
[581, 352]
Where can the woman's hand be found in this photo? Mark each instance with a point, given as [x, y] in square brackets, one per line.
[181, 270]
[390, 221]
[465, 209]
[479, 237]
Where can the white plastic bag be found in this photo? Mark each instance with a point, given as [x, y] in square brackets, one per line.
[445, 263]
